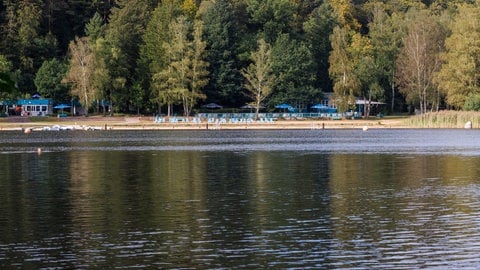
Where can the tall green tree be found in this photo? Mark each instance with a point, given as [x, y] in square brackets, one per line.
[222, 34]
[459, 75]
[367, 69]
[7, 83]
[125, 29]
[79, 74]
[172, 82]
[66, 19]
[95, 28]
[318, 28]
[49, 80]
[386, 32]
[157, 32]
[419, 60]
[199, 67]
[258, 75]
[101, 79]
[27, 41]
[184, 77]
[272, 17]
[153, 58]
[294, 71]
[346, 84]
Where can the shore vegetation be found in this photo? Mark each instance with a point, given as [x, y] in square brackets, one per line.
[172, 57]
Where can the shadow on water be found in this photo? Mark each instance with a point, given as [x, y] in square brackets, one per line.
[251, 199]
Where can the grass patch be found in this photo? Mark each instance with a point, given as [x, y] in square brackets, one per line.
[444, 119]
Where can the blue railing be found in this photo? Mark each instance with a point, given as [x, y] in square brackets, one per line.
[271, 115]
[241, 118]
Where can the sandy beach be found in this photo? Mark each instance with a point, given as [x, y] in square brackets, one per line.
[147, 123]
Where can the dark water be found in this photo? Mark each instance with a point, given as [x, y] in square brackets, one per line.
[320, 199]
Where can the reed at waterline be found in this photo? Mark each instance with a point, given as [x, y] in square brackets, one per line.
[444, 119]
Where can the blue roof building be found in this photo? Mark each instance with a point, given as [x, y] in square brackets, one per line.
[36, 107]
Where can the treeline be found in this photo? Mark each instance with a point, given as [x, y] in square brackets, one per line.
[147, 56]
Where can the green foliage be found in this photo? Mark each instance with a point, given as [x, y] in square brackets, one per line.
[80, 71]
[294, 70]
[185, 74]
[5, 65]
[419, 60]
[385, 33]
[258, 75]
[363, 56]
[49, 80]
[222, 35]
[472, 103]
[95, 28]
[318, 29]
[156, 34]
[7, 85]
[125, 30]
[342, 64]
[7, 82]
[272, 17]
[458, 76]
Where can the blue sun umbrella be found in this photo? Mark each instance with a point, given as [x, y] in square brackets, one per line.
[62, 107]
[320, 107]
[284, 106]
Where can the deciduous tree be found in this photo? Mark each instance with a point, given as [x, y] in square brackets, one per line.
[419, 60]
[385, 33]
[80, 71]
[346, 84]
[199, 67]
[258, 75]
[459, 75]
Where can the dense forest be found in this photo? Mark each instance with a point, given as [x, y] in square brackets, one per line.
[172, 56]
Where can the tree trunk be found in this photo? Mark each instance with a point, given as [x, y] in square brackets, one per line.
[393, 90]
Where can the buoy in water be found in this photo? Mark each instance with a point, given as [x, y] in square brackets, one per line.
[39, 151]
[365, 128]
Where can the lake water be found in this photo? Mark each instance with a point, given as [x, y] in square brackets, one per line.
[296, 199]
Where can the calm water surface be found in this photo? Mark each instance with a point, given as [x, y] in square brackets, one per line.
[320, 199]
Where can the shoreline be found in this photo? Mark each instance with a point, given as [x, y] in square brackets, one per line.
[147, 123]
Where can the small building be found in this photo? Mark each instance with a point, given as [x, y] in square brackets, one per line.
[35, 107]
[375, 106]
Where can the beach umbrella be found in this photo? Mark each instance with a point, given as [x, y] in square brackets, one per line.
[251, 107]
[212, 106]
[284, 106]
[62, 107]
[320, 107]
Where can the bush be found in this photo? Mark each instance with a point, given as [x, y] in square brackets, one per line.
[472, 103]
